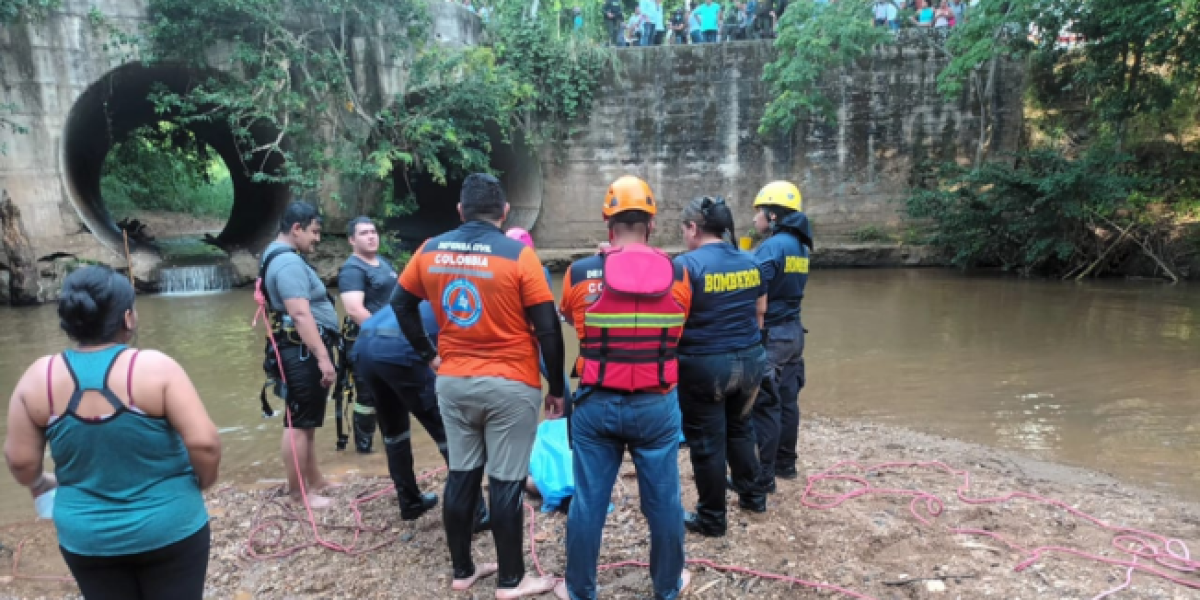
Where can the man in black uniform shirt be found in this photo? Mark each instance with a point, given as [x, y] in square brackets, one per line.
[614, 22]
[679, 27]
[365, 283]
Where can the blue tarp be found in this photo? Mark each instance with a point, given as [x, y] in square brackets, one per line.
[550, 465]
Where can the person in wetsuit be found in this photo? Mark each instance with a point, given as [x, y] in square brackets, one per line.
[494, 310]
[783, 260]
[365, 284]
[388, 368]
[721, 364]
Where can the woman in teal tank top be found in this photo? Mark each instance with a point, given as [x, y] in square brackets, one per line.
[132, 445]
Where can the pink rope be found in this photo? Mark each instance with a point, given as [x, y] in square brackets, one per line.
[1170, 554]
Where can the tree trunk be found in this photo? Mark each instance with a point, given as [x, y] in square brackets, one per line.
[23, 284]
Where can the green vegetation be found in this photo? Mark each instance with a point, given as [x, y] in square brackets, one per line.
[1112, 168]
[19, 11]
[1107, 180]
[299, 99]
[814, 41]
[871, 234]
[165, 168]
[6, 123]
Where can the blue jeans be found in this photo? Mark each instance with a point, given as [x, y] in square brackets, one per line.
[710, 36]
[603, 425]
[647, 34]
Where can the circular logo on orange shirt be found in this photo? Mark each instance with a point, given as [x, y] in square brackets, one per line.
[461, 303]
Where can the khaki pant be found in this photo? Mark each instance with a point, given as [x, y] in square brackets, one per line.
[489, 420]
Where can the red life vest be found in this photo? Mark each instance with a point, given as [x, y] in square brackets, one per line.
[632, 331]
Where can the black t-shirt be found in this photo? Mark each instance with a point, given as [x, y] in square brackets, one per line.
[376, 282]
[614, 7]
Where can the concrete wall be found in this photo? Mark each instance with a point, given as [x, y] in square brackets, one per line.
[685, 119]
[45, 67]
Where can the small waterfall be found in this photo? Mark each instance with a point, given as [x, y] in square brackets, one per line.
[194, 279]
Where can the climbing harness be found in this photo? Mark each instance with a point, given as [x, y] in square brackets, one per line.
[281, 330]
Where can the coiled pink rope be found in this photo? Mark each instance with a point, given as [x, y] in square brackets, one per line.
[1170, 554]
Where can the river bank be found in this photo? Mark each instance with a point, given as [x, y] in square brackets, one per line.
[871, 545]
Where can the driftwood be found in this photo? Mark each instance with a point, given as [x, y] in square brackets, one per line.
[22, 263]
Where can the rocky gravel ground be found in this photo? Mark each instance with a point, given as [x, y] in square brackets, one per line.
[871, 545]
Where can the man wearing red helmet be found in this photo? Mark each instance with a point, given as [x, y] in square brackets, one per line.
[628, 305]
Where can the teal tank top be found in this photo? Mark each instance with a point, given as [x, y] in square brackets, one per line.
[125, 484]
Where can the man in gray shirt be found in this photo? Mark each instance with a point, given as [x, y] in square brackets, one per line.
[304, 326]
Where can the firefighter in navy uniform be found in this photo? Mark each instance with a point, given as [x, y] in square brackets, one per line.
[721, 364]
[387, 368]
[365, 283]
[628, 305]
[783, 260]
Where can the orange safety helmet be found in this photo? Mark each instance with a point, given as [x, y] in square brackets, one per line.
[629, 193]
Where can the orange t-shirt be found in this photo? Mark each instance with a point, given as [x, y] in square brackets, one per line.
[479, 283]
[585, 280]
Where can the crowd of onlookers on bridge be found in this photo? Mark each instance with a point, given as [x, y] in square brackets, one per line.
[709, 21]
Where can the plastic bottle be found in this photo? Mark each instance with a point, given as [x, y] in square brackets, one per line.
[44, 504]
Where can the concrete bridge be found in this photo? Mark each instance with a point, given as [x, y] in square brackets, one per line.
[682, 117]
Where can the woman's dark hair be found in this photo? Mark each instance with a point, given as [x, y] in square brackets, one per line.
[711, 215]
[92, 305]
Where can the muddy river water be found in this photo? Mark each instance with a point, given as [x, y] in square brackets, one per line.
[1102, 375]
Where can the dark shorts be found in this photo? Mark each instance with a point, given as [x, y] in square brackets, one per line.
[304, 395]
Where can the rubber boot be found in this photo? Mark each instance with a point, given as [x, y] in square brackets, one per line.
[508, 530]
[364, 428]
[462, 494]
[413, 503]
[708, 527]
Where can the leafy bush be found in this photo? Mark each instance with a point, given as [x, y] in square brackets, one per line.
[165, 168]
[1041, 213]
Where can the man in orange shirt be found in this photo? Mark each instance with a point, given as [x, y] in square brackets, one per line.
[628, 304]
[495, 309]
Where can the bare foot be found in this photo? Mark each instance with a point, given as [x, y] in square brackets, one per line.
[325, 485]
[560, 590]
[315, 501]
[530, 586]
[481, 571]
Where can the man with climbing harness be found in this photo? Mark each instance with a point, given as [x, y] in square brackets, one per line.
[494, 309]
[783, 259]
[304, 328]
[628, 305]
[365, 284]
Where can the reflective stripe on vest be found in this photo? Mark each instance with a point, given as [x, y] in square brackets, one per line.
[624, 320]
[630, 339]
